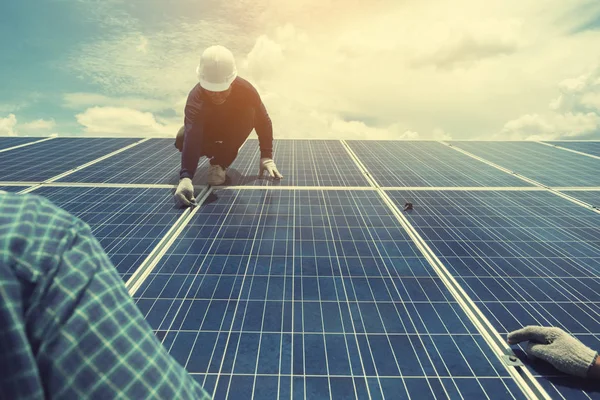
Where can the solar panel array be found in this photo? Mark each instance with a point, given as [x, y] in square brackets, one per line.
[591, 197]
[301, 162]
[427, 164]
[591, 148]
[128, 222]
[8, 142]
[544, 164]
[13, 189]
[312, 287]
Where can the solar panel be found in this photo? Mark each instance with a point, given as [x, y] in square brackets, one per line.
[592, 148]
[42, 161]
[6, 142]
[547, 165]
[313, 294]
[592, 197]
[301, 162]
[155, 161]
[128, 222]
[13, 189]
[306, 293]
[429, 164]
[524, 257]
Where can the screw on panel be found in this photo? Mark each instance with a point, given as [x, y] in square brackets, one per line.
[511, 360]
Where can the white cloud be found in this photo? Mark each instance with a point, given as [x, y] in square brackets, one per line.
[40, 124]
[484, 72]
[10, 126]
[84, 100]
[574, 113]
[7, 125]
[124, 121]
[551, 127]
[581, 94]
[11, 107]
[465, 46]
[378, 69]
[143, 46]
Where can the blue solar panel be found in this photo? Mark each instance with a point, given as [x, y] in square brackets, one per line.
[429, 164]
[301, 162]
[547, 165]
[42, 161]
[128, 222]
[6, 142]
[13, 189]
[592, 148]
[524, 257]
[313, 294]
[156, 161]
[592, 197]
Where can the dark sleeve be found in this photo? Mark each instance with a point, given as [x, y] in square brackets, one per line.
[264, 128]
[192, 137]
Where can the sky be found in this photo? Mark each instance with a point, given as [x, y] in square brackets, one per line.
[378, 69]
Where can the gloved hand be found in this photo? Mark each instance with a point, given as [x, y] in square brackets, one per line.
[563, 351]
[267, 164]
[184, 195]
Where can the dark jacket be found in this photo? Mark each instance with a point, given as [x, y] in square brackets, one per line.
[205, 121]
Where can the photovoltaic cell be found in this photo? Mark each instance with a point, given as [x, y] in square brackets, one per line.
[592, 197]
[128, 222]
[547, 165]
[592, 148]
[429, 164]
[301, 162]
[13, 189]
[524, 257]
[6, 142]
[313, 294]
[156, 161]
[44, 160]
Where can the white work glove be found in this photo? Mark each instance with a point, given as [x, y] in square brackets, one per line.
[563, 351]
[267, 164]
[184, 195]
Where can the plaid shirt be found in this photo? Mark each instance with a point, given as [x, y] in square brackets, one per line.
[68, 327]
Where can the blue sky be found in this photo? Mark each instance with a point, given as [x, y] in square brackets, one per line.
[507, 69]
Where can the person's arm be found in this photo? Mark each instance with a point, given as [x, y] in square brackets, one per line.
[69, 326]
[192, 137]
[565, 352]
[264, 129]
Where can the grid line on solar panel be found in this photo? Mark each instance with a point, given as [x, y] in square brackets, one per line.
[525, 258]
[406, 163]
[51, 158]
[13, 189]
[301, 162]
[318, 312]
[7, 143]
[156, 161]
[127, 222]
[546, 165]
[591, 197]
[591, 148]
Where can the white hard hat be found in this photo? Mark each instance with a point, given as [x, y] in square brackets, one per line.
[217, 69]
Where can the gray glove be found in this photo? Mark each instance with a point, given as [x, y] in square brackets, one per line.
[563, 351]
[184, 195]
[267, 164]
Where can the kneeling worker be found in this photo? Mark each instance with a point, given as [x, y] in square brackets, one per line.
[220, 113]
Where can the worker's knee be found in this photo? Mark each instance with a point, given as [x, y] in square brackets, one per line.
[179, 139]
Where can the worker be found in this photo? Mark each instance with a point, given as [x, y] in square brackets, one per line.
[68, 327]
[563, 351]
[220, 113]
